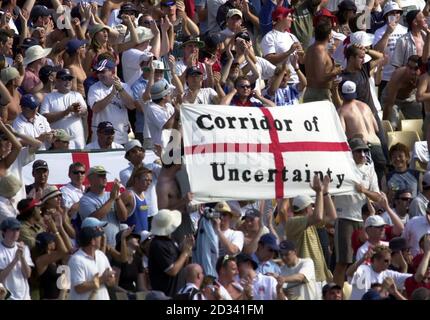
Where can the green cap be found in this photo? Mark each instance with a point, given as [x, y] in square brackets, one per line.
[97, 170]
[62, 135]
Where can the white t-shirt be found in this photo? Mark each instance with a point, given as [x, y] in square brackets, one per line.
[205, 96]
[95, 146]
[24, 158]
[389, 49]
[83, 268]
[213, 6]
[7, 209]
[264, 287]
[418, 206]
[365, 247]
[35, 129]
[115, 112]
[57, 102]
[418, 4]
[279, 42]
[365, 276]
[15, 282]
[131, 70]
[265, 69]
[414, 230]
[349, 206]
[71, 195]
[308, 289]
[156, 117]
[235, 237]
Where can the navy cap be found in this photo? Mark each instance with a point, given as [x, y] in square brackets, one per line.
[10, 224]
[269, 240]
[372, 294]
[29, 42]
[40, 11]
[29, 101]
[89, 233]
[47, 70]
[40, 164]
[329, 286]
[287, 245]
[168, 3]
[73, 45]
[64, 74]
[212, 40]
[347, 5]
[243, 257]
[251, 213]
[243, 35]
[193, 70]
[398, 244]
[128, 6]
[105, 64]
[43, 239]
[105, 126]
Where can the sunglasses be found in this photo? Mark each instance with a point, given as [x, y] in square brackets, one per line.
[405, 199]
[79, 172]
[101, 176]
[148, 22]
[245, 86]
[66, 78]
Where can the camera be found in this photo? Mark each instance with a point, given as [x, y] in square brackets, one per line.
[210, 213]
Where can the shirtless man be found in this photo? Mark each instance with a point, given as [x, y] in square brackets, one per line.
[320, 69]
[169, 197]
[423, 95]
[12, 80]
[357, 119]
[401, 91]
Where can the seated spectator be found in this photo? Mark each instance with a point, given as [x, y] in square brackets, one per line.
[31, 221]
[374, 227]
[195, 94]
[401, 177]
[419, 204]
[60, 140]
[11, 79]
[401, 203]
[253, 228]
[35, 59]
[9, 187]
[421, 278]
[331, 291]
[73, 191]
[105, 138]
[297, 275]
[415, 229]
[194, 277]
[16, 262]
[267, 250]
[401, 258]
[229, 287]
[40, 173]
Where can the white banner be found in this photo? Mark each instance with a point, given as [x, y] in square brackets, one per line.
[59, 163]
[239, 153]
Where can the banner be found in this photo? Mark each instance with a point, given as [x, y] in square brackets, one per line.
[59, 162]
[237, 153]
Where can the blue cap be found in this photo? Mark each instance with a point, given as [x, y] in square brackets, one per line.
[168, 3]
[43, 239]
[73, 45]
[243, 257]
[29, 101]
[10, 224]
[371, 295]
[269, 240]
[91, 222]
[105, 64]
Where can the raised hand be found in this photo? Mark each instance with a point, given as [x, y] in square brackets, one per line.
[316, 185]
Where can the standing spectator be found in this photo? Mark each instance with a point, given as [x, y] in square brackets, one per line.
[109, 100]
[105, 138]
[31, 221]
[165, 259]
[302, 227]
[332, 291]
[229, 287]
[35, 59]
[16, 262]
[65, 109]
[9, 187]
[298, 274]
[60, 140]
[374, 227]
[73, 191]
[195, 93]
[40, 173]
[421, 278]
[11, 79]
[90, 270]
[419, 204]
[194, 276]
[75, 50]
[105, 206]
[31, 123]
[267, 250]
[415, 229]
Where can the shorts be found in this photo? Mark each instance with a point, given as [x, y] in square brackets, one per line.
[343, 239]
[316, 94]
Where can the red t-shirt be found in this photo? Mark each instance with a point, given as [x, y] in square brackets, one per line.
[411, 284]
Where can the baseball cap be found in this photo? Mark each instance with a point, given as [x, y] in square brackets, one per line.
[193, 70]
[145, 235]
[426, 180]
[91, 222]
[324, 12]
[8, 74]
[212, 40]
[347, 5]
[390, 7]
[243, 257]
[358, 144]
[9, 186]
[234, 12]
[398, 244]
[29, 101]
[159, 65]
[89, 233]
[47, 70]
[251, 213]
[73, 45]
[168, 3]
[10, 224]
[160, 89]
[105, 64]
[372, 294]
[132, 144]
[106, 126]
[243, 35]
[97, 170]
[269, 240]
[330, 286]
[40, 11]
[193, 39]
[128, 6]
[29, 42]
[301, 202]
[349, 90]
[287, 245]
[40, 164]
[64, 74]
[145, 56]
[374, 221]
[43, 239]
[62, 135]
[362, 38]
[281, 12]
[26, 205]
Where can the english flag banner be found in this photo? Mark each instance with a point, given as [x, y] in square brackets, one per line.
[58, 163]
[240, 153]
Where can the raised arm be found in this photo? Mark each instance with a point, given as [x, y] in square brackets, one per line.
[317, 215]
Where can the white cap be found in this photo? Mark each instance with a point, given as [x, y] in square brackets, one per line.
[123, 227]
[91, 222]
[301, 202]
[233, 12]
[374, 221]
[349, 90]
[362, 38]
[391, 6]
[145, 56]
[144, 235]
[131, 144]
[158, 65]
